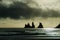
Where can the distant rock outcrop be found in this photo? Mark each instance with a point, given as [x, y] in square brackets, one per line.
[58, 26]
[40, 25]
[33, 26]
[27, 26]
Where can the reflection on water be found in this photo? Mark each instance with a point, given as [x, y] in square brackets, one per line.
[31, 31]
[45, 31]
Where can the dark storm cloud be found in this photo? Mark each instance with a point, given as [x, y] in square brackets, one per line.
[15, 11]
[19, 9]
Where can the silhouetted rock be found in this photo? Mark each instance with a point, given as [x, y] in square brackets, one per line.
[27, 26]
[40, 25]
[58, 26]
[33, 26]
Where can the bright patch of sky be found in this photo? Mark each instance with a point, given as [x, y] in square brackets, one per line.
[49, 4]
[44, 4]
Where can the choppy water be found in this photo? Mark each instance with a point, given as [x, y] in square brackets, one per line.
[32, 31]
[47, 31]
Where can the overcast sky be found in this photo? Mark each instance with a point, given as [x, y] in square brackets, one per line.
[51, 4]
[33, 8]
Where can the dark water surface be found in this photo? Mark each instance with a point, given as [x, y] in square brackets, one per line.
[30, 33]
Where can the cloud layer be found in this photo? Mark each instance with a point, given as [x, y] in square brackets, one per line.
[24, 9]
